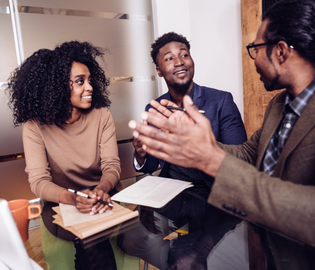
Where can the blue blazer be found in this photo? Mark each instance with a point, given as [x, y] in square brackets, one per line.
[225, 118]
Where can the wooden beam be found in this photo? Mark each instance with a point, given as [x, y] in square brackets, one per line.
[256, 98]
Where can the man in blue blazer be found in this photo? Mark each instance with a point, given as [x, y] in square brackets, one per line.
[171, 55]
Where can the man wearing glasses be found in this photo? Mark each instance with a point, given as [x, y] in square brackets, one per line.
[270, 179]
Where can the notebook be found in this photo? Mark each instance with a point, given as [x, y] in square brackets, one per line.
[92, 226]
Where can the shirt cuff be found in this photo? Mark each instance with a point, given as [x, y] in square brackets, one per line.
[137, 166]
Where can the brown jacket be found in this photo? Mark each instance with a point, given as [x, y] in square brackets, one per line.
[284, 203]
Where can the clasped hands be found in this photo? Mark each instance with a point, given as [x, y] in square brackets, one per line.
[92, 205]
[183, 138]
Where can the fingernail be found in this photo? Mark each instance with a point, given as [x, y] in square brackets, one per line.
[144, 147]
[136, 134]
[132, 124]
[144, 116]
[188, 100]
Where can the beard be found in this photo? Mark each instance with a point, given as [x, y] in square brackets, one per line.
[182, 88]
[273, 83]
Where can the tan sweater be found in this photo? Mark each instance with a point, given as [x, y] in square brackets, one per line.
[75, 156]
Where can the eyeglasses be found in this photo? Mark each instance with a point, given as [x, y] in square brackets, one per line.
[252, 51]
[251, 48]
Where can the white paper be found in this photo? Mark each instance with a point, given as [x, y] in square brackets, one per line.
[152, 191]
[71, 215]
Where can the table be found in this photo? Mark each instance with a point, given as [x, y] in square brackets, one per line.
[145, 237]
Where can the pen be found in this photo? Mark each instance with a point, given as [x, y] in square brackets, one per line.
[87, 196]
[181, 109]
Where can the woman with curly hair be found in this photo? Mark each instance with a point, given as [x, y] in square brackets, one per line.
[69, 137]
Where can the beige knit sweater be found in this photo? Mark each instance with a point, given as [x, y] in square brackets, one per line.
[73, 156]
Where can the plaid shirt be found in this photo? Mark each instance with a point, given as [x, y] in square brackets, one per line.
[292, 110]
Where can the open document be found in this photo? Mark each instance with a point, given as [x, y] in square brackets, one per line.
[152, 191]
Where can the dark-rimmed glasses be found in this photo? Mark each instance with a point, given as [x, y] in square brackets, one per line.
[251, 48]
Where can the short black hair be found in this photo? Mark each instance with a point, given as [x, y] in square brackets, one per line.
[165, 39]
[39, 89]
[292, 21]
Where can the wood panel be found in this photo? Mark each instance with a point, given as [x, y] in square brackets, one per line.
[256, 98]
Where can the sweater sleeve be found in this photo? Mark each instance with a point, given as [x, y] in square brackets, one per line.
[37, 166]
[110, 162]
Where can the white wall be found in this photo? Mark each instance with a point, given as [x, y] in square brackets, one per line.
[214, 30]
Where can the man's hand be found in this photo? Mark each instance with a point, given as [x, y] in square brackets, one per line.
[140, 153]
[162, 111]
[159, 110]
[187, 145]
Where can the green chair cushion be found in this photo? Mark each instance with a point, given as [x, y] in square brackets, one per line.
[60, 254]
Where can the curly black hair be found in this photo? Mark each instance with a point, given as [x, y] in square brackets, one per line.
[292, 21]
[39, 89]
[165, 39]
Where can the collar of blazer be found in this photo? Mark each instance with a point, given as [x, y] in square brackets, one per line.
[301, 128]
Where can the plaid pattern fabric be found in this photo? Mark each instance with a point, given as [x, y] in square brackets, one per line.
[292, 110]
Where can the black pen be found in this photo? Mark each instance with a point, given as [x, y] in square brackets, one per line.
[181, 109]
[87, 196]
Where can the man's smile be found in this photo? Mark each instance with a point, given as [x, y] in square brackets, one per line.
[180, 71]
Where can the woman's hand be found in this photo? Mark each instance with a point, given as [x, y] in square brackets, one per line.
[84, 205]
[92, 205]
[100, 194]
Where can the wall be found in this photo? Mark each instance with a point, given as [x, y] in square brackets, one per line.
[214, 30]
[212, 26]
[123, 27]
